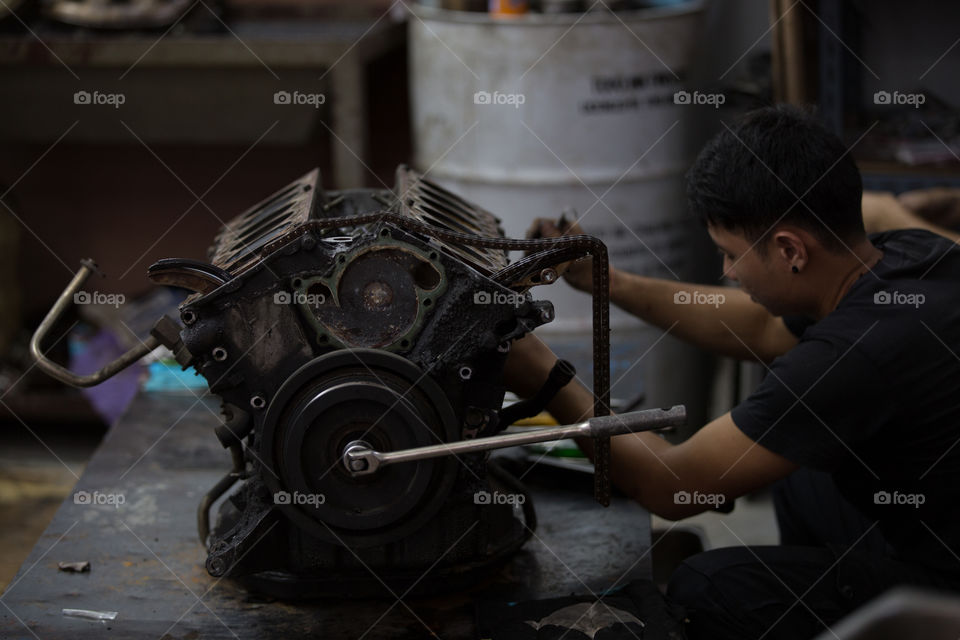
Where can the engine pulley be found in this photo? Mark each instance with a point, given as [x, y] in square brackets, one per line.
[347, 395]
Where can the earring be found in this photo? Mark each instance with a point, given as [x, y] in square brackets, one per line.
[795, 269]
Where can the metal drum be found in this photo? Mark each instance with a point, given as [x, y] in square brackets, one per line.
[539, 114]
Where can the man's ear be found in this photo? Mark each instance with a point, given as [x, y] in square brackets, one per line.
[790, 250]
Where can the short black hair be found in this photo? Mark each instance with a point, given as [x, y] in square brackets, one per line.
[749, 178]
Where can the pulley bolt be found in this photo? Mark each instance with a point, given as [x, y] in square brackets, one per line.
[217, 567]
[548, 276]
[358, 465]
[219, 354]
[466, 373]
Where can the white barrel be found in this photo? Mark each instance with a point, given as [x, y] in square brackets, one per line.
[533, 115]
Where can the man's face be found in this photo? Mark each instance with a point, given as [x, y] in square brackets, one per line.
[758, 274]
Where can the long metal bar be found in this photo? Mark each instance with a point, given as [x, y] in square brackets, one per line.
[65, 375]
[359, 459]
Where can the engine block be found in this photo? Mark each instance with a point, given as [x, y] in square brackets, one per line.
[316, 332]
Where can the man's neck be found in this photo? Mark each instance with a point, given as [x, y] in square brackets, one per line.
[840, 272]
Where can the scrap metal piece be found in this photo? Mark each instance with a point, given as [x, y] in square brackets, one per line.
[89, 614]
[74, 567]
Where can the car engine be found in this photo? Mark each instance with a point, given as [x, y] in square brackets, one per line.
[364, 320]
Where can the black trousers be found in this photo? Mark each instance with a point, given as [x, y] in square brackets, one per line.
[830, 561]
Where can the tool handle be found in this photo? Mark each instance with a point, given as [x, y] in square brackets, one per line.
[360, 459]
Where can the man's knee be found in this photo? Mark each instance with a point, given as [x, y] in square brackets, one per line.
[746, 592]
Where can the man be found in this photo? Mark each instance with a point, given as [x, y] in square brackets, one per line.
[858, 417]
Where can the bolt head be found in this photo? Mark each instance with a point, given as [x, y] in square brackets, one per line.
[216, 567]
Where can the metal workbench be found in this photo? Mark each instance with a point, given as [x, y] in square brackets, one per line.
[147, 563]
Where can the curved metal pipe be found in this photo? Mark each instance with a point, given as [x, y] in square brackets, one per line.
[62, 374]
[227, 481]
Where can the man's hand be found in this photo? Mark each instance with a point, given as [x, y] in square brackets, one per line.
[579, 274]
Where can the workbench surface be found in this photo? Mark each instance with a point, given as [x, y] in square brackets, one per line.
[148, 565]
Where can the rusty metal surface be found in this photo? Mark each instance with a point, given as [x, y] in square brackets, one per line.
[432, 204]
[236, 246]
[147, 564]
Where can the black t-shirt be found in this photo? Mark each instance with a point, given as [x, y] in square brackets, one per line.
[872, 394]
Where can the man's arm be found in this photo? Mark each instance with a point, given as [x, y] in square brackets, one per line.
[738, 327]
[719, 459]
[884, 212]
